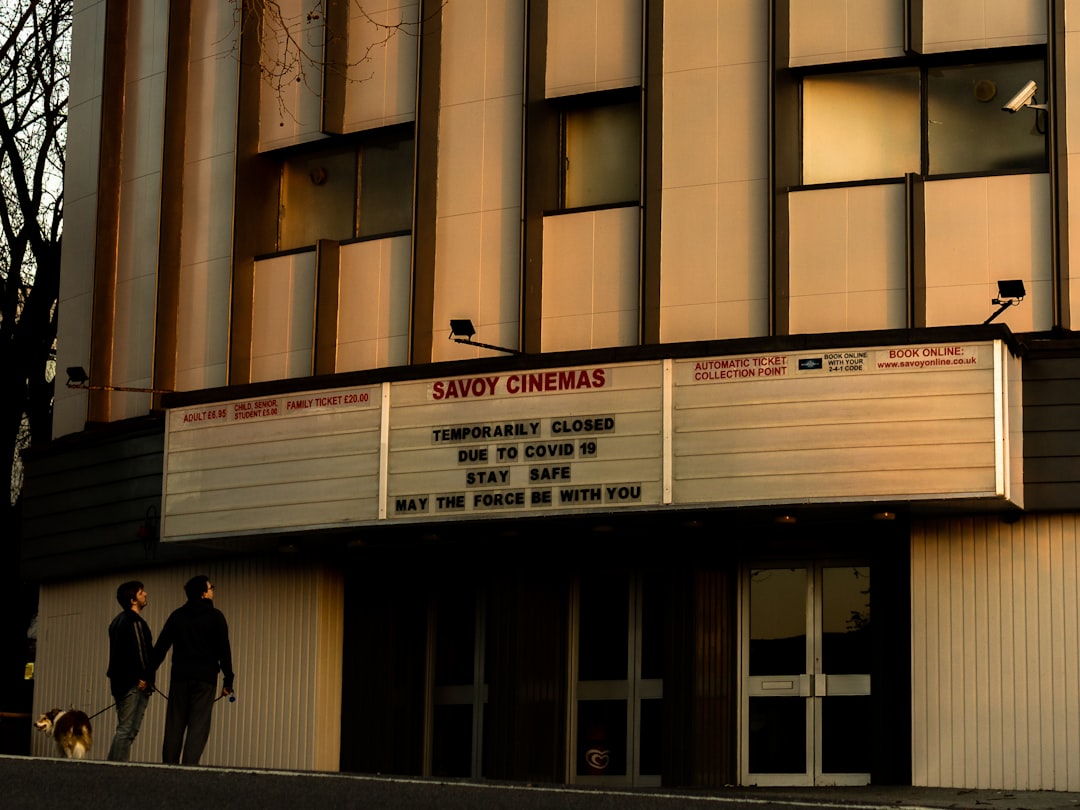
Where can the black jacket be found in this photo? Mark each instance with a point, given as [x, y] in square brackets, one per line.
[199, 636]
[130, 652]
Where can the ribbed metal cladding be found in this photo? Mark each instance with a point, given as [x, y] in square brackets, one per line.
[286, 630]
[995, 653]
[714, 681]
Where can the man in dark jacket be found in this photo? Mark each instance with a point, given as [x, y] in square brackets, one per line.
[130, 652]
[199, 637]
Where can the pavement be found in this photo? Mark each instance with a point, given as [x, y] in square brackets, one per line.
[29, 782]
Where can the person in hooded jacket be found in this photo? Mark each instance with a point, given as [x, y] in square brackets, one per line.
[199, 637]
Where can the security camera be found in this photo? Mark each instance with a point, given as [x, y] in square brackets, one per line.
[1025, 97]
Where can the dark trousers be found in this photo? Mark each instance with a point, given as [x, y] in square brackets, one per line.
[190, 704]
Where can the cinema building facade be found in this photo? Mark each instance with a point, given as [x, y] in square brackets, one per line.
[744, 469]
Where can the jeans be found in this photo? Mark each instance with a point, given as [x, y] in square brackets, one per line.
[130, 708]
[187, 721]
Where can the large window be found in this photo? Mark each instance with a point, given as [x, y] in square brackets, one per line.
[930, 120]
[345, 192]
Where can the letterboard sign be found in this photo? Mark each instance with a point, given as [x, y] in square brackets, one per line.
[551, 441]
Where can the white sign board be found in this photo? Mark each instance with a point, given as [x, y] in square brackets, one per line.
[895, 422]
[541, 442]
[273, 463]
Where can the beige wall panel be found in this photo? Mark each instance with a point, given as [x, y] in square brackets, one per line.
[1070, 175]
[713, 120]
[590, 296]
[995, 653]
[477, 231]
[382, 55]
[480, 156]
[202, 350]
[714, 279]
[848, 267]
[206, 235]
[81, 160]
[283, 320]
[206, 246]
[707, 33]
[980, 230]
[212, 82]
[140, 192]
[482, 53]
[958, 25]
[290, 100]
[482, 50]
[286, 630]
[476, 262]
[133, 340]
[826, 31]
[75, 309]
[593, 45]
[714, 258]
[87, 52]
[373, 304]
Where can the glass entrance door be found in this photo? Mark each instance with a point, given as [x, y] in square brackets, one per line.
[617, 680]
[806, 661]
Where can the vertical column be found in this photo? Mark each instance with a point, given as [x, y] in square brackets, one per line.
[110, 170]
[167, 311]
[327, 285]
[1056, 59]
[425, 179]
[784, 129]
[256, 203]
[652, 146]
[540, 186]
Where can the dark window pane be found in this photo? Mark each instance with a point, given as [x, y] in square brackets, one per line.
[386, 188]
[861, 126]
[650, 743]
[601, 739]
[777, 735]
[603, 155]
[845, 623]
[969, 132]
[318, 198]
[844, 734]
[778, 621]
[603, 628]
[455, 640]
[652, 627]
[451, 743]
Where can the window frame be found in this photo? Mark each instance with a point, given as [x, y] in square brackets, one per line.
[566, 106]
[357, 142]
[924, 64]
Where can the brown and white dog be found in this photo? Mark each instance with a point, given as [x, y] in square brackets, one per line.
[70, 729]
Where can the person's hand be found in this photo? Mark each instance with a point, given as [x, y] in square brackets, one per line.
[145, 687]
[226, 692]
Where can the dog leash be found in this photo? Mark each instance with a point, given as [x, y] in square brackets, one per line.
[152, 689]
[232, 696]
[91, 717]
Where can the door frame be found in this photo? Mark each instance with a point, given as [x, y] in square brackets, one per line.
[812, 685]
[634, 690]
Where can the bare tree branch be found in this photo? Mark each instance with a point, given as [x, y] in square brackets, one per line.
[34, 70]
[301, 41]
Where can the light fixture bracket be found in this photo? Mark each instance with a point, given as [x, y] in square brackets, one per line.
[464, 326]
[78, 378]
